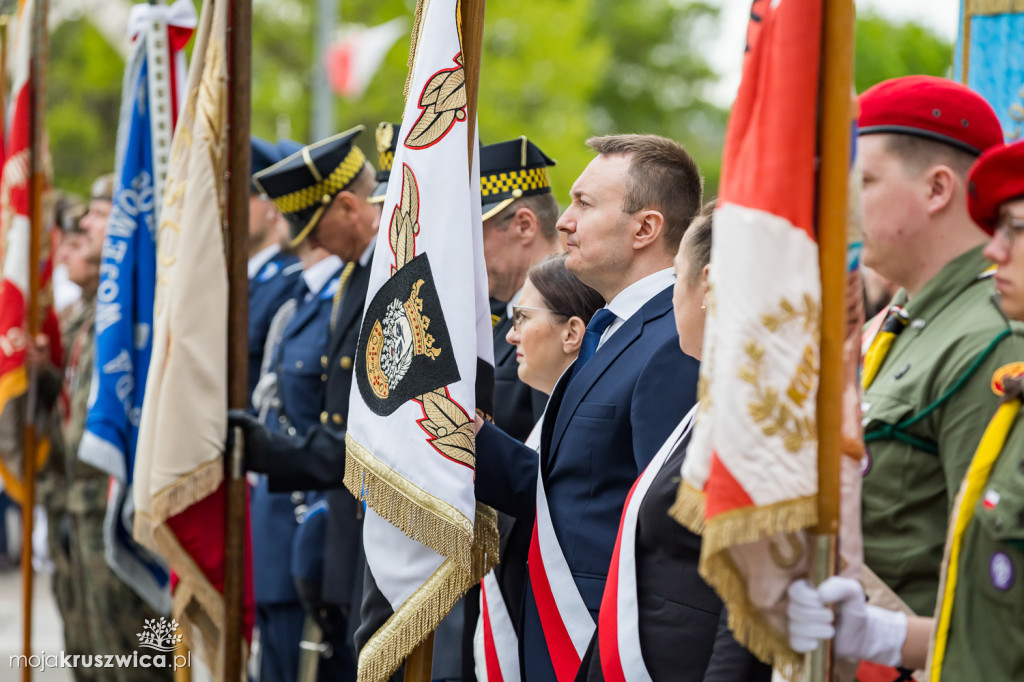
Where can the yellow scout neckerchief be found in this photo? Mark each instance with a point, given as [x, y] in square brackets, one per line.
[896, 320]
[985, 456]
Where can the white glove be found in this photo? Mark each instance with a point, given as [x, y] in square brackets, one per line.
[863, 632]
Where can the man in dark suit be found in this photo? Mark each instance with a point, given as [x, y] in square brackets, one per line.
[322, 192]
[272, 273]
[610, 413]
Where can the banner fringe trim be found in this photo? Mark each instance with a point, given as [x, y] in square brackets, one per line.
[689, 507]
[189, 489]
[412, 510]
[750, 524]
[748, 626]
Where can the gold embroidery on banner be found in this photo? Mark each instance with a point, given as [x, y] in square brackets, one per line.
[785, 413]
[443, 102]
[787, 562]
[450, 428]
[405, 221]
[975, 8]
[213, 114]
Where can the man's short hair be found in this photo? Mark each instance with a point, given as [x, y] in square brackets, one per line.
[662, 176]
[918, 153]
[544, 206]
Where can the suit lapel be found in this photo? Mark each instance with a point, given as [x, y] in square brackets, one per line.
[604, 358]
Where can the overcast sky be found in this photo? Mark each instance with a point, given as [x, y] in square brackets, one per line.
[942, 16]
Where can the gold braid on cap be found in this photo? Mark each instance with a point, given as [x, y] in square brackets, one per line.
[313, 195]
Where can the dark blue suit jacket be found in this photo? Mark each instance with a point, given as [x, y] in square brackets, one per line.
[268, 290]
[298, 368]
[600, 430]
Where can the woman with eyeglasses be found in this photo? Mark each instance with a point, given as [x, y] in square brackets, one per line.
[548, 323]
[978, 630]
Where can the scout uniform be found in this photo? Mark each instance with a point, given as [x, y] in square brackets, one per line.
[979, 633]
[927, 374]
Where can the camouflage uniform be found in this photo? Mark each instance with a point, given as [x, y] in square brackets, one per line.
[52, 491]
[114, 614]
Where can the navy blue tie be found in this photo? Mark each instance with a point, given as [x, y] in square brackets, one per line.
[598, 323]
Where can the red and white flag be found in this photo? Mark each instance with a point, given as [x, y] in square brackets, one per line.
[15, 269]
[750, 475]
[179, 484]
[356, 56]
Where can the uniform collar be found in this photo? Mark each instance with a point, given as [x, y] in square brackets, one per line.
[317, 275]
[513, 303]
[263, 257]
[940, 290]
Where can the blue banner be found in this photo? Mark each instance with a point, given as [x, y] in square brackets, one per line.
[124, 331]
[995, 58]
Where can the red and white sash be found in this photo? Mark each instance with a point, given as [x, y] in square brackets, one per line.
[495, 643]
[619, 623]
[496, 646]
[567, 624]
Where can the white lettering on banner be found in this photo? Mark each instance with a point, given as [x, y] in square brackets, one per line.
[14, 341]
[115, 250]
[106, 315]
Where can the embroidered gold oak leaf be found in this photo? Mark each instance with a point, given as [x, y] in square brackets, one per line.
[443, 102]
[451, 428]
[405, 221]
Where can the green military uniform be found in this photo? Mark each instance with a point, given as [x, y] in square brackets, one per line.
[113, 612]
[52, 492]
[924, 414]
[986, 637]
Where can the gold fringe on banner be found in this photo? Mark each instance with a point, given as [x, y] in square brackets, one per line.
[741, 527]
[689, 508]
[748, 626]
[988, 7]
[420, 515]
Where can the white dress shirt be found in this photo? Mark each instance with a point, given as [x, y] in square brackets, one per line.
[634, 297]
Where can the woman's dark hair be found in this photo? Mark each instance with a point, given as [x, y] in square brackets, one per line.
[562, 291]
[698, 248]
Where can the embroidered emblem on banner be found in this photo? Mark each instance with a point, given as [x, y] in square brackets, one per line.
[787, 413]
[443, 102]
[404, 330]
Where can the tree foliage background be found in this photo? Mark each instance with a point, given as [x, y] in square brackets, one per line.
[557, 71]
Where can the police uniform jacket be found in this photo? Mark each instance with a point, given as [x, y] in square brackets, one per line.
[268, 290]
[316, 461]
[300, 389]
[601, 428]
[924, 414]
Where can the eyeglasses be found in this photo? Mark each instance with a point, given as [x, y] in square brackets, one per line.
[519, 315]
[1009, 227]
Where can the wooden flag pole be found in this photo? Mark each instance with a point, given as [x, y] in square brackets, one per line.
[37, 182]
[237, 230]
[834, 129]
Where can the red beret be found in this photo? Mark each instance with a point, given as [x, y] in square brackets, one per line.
[994, 179]
[933, 108]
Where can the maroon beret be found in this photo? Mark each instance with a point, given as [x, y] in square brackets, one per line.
[994, 179]
[933, 108]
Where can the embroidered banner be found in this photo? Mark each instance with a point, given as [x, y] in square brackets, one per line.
[424, 365]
